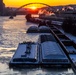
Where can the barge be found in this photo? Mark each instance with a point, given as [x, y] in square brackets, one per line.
[69, 47]
[51, 53]
[40, 29]
[26, 54]
[46, 53]
[53, 49]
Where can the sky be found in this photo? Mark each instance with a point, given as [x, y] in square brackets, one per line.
[18, 3]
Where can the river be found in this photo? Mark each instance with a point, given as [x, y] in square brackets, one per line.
[13, 32]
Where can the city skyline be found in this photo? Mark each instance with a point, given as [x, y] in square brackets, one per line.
[18, 3]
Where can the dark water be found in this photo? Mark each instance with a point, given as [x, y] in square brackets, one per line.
[12, 32]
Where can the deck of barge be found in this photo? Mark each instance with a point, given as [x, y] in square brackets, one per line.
[51, 52]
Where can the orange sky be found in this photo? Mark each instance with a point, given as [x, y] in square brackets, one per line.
[17, 3]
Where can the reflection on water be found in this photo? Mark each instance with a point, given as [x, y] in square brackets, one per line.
[13, 32]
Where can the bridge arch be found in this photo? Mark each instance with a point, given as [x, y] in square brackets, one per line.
[30, 4]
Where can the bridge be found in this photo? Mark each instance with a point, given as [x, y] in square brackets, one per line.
[32, 3]
[27, 5]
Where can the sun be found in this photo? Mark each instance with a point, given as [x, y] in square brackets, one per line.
[33, 7]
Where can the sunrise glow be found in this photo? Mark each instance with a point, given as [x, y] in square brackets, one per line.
[33, 7]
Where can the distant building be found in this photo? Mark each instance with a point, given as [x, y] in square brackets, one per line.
[2, 8]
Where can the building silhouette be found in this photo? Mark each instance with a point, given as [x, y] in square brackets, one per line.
[2, 8]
